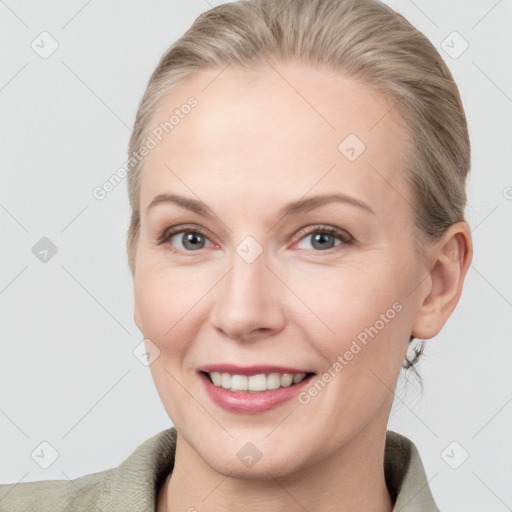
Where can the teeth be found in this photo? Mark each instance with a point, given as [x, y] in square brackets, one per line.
[255, 383]
[239, 382]
[216, 378]
[273, 381]
[297, 378]
[225, 380]
[286, 380]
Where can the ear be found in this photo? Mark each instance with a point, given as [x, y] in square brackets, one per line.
[450, 259]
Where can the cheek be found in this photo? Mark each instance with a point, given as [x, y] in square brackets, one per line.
[166, 301]
[369, 320]
[168, 304]
[370, 316]
[352, 303]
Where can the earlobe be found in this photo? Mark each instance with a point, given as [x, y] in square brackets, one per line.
[450, 260]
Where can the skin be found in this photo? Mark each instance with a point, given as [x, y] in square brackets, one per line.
[254, 143]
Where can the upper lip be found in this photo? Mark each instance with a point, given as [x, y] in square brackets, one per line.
[249, 370]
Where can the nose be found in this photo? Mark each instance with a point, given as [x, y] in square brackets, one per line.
[249, 301]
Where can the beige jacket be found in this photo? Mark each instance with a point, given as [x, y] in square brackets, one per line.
[133, 485]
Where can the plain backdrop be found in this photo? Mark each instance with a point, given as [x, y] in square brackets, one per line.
[68, 375]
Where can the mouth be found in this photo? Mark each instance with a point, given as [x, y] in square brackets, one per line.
[252, 390]
[257, 383]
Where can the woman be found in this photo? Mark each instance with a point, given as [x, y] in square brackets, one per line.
[297, 186]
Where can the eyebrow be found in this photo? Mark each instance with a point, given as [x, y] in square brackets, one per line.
[293, 209]
[185, 202]
[305, 205]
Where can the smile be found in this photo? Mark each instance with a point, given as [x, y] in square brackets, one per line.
[255, 383]
[252, 389]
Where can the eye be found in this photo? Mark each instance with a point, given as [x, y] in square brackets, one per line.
[324, 237]
[191, 239]
[321, 237]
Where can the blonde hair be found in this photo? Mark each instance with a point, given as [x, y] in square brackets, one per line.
[364, 39]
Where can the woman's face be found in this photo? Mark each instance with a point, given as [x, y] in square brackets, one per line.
[291, 252]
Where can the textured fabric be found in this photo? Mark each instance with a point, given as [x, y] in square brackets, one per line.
[133, 486]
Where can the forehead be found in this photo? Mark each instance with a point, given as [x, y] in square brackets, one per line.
[284, 128]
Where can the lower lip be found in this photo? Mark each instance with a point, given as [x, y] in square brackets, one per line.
[251, 403]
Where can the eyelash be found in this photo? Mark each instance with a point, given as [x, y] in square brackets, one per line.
[342, 235]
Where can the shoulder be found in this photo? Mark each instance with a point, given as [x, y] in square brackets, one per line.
[130, 486]
[54, 495]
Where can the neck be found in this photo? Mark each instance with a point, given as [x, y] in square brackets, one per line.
[351, 479]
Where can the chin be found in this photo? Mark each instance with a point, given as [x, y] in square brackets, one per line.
[261, 470]
[248, 461]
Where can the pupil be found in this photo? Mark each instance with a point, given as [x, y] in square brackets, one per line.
[191, 238]
[323, 240]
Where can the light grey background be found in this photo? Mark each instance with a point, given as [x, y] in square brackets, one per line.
[68, 375]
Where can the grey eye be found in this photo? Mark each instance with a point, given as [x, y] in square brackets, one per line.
[190, 240]
[320, 240]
